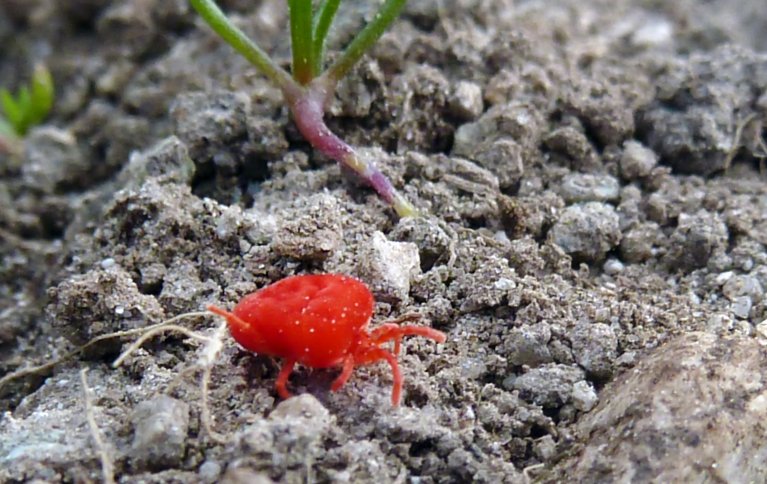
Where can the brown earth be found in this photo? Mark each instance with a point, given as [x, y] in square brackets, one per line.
[593, 174]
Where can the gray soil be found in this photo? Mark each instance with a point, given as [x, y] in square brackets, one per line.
[594, 245]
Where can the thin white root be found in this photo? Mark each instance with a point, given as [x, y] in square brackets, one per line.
[214, 344]
[527, 470]
[107, 467]
[207, 359]
[154, 332]
[104, 337]
[209, 353]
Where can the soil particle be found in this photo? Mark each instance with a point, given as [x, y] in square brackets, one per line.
[485, 287]
[434, 243]
[587, 231]
[100, 302]
[54, 161]
[128, 28]
[594, 348]
[182, 288]
[584, 396]
[466, 101]
[527, 345]
[578, 187]
[506, 153]
[312, 232]
[549, 386]
[168, 161]
[640, 242]
[516, 124]
[696, 240]
[295, 428]
[160, 430]
[389, 266]
[601, 107]
[570, 146]
[637, 161]
[530, 215]
[743, 286]
[204, 117]
[700, 107]
[421, 90]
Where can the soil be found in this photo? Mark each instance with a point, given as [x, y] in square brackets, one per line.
[592, 175]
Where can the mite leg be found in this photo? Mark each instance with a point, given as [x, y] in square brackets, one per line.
[376, 354]
[282, 379]
[346, 372]
[389, 332]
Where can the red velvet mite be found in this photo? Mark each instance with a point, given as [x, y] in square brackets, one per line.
[320, 321]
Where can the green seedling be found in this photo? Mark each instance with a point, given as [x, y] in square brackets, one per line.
[310, 88]
[28, 108]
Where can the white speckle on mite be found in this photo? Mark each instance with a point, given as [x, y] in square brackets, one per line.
[333, 321]
[311, 330]
[356, 305]
[297, 322]
[306, 350]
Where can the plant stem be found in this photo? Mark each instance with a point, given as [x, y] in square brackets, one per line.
[235, 37]
[365, 39]
[307, 97]
[301, 40]
[308, 113]
[320, 28]
[42, 92]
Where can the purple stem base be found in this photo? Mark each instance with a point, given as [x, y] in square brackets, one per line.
[308, 111]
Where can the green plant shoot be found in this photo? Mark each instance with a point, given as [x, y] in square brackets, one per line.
[309, 88]
[29, 107]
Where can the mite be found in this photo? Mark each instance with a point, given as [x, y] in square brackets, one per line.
[320, 321]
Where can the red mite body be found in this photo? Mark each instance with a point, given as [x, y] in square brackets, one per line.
[319, 321]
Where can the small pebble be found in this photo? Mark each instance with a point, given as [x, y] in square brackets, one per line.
[741, 307]
[549, 386]
[527, 345]
[637, 160]
[466, 101]
[584, 396]
[545, 448]
[761, 330]
[613, 267]
[594, 346]
[743, 286]
[587, 231]
[209, 471]
[389, 267]
[160, 429]
[588, 187]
